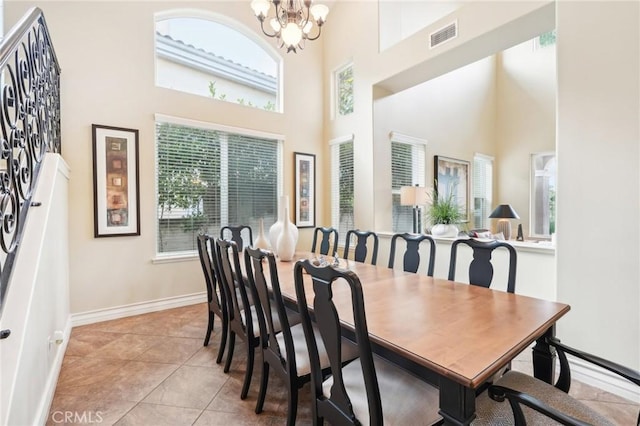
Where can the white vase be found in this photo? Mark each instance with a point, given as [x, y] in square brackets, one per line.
[276, 228]
[261, 241]
[444, 230]
[286, 244]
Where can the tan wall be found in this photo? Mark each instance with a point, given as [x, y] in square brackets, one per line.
[456, 115]
[525, 121]
[598, 177]
[106, 50]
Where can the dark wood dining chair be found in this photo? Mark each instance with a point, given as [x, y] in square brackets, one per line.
[242, 322]
[546, 403]
[362, 238]
[480, 268]
[328, 240]
[411, 259]
[284, 350]
[369, 389]
[235, 233]
[216, 299]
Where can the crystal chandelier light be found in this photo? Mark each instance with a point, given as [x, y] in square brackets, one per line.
[293, 20]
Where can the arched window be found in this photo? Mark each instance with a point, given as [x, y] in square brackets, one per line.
[211, 55]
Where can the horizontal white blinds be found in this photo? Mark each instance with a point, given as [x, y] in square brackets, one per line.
[482, 190]
[342, 196]
[407, 169]
[208, 178]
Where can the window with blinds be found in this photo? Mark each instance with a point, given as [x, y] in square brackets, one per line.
[344, 89]
[408, 159]
[342, 197]
[207, 178]
[482, 190]
[543, 194]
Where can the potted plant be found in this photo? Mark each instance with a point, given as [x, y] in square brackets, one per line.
[444, 213]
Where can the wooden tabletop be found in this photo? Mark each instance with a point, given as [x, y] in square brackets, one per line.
[463, 332]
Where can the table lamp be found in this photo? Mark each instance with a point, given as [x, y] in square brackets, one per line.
[504, 212]
[415, 196]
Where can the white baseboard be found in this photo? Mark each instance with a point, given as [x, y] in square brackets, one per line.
[90, 317]
[593, 375]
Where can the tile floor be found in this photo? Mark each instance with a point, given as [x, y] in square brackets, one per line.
[152, 369]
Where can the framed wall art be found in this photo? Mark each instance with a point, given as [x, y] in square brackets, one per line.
[116, 199]
[305, 189]
[451, 178]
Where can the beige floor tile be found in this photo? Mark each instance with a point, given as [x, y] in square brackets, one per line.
[145, 414]
[127, 346]
[206, 355]
[88, 376]
[86, 342]
[188, 386]
[172, 350]
[620, 414]
[87, 408]
[213, 418]
[135, 380]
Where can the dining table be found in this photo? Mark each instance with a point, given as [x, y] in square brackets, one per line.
[454, 335]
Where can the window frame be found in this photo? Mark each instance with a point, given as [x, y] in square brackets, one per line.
[335, 177]
[233, 24]
[161, 257]
[335, 92]
[484, 217]
[532, 194]
[419, 171]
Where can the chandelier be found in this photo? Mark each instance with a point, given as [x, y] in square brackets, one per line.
[293, 20]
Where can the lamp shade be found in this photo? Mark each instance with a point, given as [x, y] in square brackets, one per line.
[504, 211]
[413, 196]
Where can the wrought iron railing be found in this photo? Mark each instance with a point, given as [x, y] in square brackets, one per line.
[29, 124]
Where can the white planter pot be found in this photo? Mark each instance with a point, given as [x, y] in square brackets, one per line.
[443, 230]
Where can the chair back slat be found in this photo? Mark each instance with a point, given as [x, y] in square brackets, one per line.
[336, 407]
[361, 250]
[236, 232]
[481, 269]
[329, 239]
[411, 258]
[206, 253]
[255, 260]
[231, 274]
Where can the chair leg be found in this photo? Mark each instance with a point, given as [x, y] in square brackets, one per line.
[232, 343]
[292, 405]
[209, 329]
[249, 372]
[264, 381]
[223, 342]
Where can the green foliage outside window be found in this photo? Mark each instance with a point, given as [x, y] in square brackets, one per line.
[202, 173]
[345, 91]
[547, 39]
[190, 183]
[346, 181]
[213, 91]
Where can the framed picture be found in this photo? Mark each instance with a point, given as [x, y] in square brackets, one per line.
[305, 189]
[452, 179]
[116, 200]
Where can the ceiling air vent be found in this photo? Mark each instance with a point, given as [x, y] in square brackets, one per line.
[444, 34]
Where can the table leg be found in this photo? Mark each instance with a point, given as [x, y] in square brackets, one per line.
[457, 403]
[544, 357]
